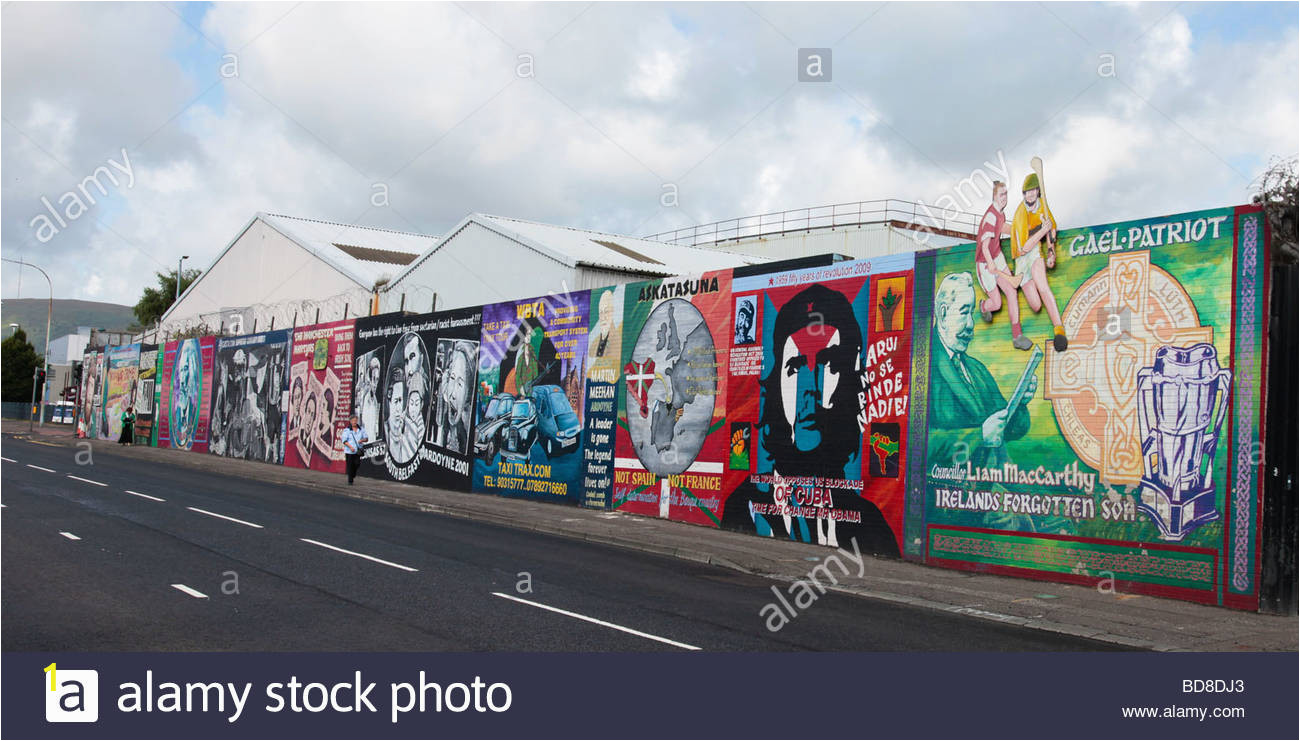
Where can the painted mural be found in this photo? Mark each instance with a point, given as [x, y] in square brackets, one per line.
[415, 395]
[671, 446]
[1072, 404]
[187, 394]
[818, 403]
[1092, 446]
[320, 396]
[147, 391]
[529, 398]
[601, 384]
[88, 393]
[248, 414]
[120, 378]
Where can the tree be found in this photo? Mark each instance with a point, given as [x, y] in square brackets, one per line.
[155, 302]
[20, 361]
[1277, 190]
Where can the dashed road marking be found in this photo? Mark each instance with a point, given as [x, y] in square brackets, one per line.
[145, 496]
[68, 535]
[191, 592]
[224, 517]
[42, 468]
[7, 460]
[88, 481]
[595, 621]
[358, 555]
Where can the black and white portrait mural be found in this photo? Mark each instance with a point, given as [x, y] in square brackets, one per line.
[454, 410]
[366, 392]
[414, 393]
[406, 398]
[248, 412]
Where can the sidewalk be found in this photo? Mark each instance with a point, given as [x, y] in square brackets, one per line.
[1131, 620]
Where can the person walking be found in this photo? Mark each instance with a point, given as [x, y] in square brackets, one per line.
[353, 437]
[128, 427]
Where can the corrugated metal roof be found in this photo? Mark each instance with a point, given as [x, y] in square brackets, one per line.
[617, 252]
[363, 253]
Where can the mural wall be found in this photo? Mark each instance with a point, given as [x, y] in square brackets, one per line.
[123, 370]
[819, 402]
[147, 392]
[187, 394]
[415, 379]
[320, 396]
[1079, 405]
[1102, 451]
[672, 441]
[90, 394]
[248, 398]
[528, 402]
[604, 343]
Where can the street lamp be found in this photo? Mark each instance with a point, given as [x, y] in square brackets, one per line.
[178, 275]
[45, 359]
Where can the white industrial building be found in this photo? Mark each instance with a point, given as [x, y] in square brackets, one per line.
[485, 259]
[281, 271]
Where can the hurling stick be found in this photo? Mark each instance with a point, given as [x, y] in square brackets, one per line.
[1036, 164]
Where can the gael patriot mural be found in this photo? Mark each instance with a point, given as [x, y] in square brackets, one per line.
[1102, 448]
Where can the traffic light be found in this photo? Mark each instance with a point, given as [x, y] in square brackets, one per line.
[40, 379]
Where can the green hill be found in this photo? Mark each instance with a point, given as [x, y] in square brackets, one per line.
[29, 313]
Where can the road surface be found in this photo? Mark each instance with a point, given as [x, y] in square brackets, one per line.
[161, 557]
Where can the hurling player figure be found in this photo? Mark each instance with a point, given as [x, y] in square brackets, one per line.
[1033, 243]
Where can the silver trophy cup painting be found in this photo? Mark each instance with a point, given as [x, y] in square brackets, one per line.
[1182, 399]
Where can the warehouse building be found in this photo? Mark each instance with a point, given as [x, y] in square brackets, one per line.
[280, 271]
[487, 258]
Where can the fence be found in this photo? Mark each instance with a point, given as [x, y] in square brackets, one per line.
[904, 214]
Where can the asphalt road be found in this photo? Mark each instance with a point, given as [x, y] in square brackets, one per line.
[119, 556]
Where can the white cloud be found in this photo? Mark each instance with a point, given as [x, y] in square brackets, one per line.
[333, 97]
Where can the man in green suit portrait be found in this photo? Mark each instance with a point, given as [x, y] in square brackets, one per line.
[969, 420]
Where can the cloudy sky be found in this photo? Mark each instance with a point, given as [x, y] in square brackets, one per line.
[581, 114]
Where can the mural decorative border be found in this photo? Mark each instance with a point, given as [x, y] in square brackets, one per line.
[1246, 359]
[915, 542]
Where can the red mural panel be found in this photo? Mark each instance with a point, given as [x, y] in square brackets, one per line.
[320, 395]
[187, 394]
[671, 451]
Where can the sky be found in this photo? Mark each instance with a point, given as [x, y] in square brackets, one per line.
[411, 116]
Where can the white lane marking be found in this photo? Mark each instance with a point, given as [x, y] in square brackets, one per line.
[232, 519]
[69, 535]
[146, 496]
[88, 481]
[577, 616]
[42, 468]
[191, 592]
[358, 555]
[7, 460]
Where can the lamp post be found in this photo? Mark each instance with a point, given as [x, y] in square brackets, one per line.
[45, 359]
[178, 275]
